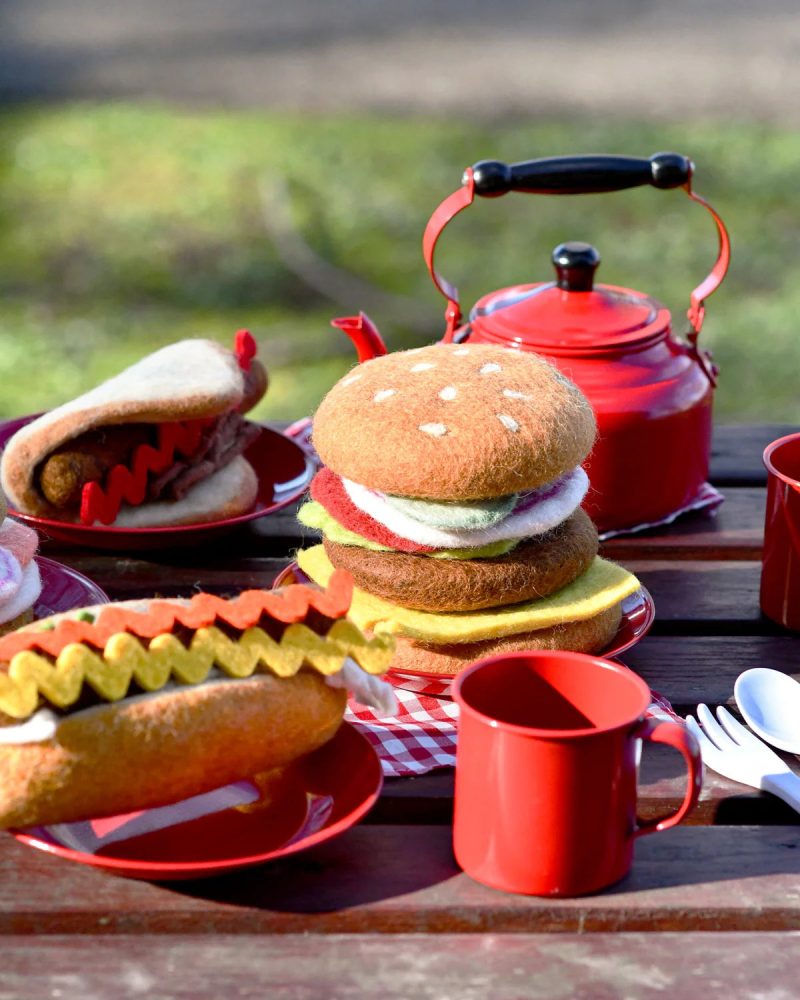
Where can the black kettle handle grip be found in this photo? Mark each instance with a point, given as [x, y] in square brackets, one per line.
[588, 174]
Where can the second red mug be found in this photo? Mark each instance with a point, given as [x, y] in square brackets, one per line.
[546, 771]
[780, 569]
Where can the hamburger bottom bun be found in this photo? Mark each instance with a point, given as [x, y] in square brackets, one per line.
[153, 750]
[537, 567]
[589, 636]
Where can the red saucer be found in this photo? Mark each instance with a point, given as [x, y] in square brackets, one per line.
[336, 786]
[284, 469]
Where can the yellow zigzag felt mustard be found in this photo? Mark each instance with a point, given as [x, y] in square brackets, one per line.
[126, 658]
[602, 586]
[313, 515]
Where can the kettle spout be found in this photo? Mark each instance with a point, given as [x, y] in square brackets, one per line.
[364, 334]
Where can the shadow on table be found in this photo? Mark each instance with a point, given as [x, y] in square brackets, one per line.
[354, 870]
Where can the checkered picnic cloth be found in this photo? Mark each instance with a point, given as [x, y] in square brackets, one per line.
[422, 736]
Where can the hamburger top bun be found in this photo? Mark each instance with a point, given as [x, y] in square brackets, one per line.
[183, 381]
[453, 422]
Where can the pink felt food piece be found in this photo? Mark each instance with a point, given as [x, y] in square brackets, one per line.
[10, 575]
[327, 489]
[19, 539]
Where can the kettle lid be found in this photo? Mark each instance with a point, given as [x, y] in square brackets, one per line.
[571, 314]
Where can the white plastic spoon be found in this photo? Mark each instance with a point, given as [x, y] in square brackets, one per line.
[770, 704]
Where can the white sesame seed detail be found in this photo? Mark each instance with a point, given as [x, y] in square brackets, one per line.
[449, 392]
[508, 422]
[350, 379]
[491, 368]
[435, 430]
[513, 394]
[423, 366]
[461, 352]
[383, 394]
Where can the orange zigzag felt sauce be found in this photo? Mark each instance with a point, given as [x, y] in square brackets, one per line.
[288, 606]
[126, 484]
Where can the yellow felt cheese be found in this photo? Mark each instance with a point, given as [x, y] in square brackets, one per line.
[127, 658]
[602, 586]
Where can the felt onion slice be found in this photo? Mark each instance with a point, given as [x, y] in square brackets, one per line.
[537, 512]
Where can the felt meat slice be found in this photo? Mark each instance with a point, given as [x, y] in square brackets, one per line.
[328, 490]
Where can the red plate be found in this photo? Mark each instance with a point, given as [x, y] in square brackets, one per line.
[64, 589]
[638, 614]
[334, 788]
[283, 467]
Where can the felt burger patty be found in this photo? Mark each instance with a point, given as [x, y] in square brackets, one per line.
[537, 567]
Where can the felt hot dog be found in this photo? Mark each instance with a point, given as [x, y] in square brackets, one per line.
[159, 444]
[130, 706]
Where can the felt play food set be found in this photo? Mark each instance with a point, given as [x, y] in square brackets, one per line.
[159, 444]
[651, 390]
[137, 705]
[20, 582]
[451, 492]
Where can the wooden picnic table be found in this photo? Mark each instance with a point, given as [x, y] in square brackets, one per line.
[384, 908]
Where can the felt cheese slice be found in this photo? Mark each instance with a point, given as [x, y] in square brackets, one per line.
[602, 586]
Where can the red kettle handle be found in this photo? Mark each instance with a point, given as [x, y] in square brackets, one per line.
[576, 175]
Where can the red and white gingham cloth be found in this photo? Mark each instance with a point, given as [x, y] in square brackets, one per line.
[422, 736]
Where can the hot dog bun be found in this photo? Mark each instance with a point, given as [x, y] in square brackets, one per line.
[111, 732]
[152, 751]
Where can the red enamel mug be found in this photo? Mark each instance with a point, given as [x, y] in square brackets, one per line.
[780, 568]
[546, 771]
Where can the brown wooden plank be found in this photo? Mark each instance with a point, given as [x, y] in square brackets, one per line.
[404, 880]
[734, 531]
[709, 597]
[736, 451]
[341, 967]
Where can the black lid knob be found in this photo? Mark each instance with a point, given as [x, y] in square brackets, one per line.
[575, 265]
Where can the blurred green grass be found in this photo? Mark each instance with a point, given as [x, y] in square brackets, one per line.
[124, 227]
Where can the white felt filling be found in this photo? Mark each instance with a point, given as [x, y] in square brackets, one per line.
[535, 520]
[28, 592]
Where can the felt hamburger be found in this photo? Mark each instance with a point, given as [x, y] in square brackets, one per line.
[20, 582]
[451, 492]
[130, 706]
[159, 444]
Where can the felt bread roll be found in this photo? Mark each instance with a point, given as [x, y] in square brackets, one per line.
[451, 422]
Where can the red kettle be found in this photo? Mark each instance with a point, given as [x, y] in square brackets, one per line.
[651, 390]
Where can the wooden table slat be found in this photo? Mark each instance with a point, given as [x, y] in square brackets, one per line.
[396, 967]
[404, 880]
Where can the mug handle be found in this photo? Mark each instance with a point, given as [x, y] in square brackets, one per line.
[675, 735]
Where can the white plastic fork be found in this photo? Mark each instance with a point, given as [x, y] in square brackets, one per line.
[727, 747]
